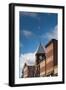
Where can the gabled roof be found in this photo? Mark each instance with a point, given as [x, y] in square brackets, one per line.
[40, 49]
[25, 65]
[28, 64]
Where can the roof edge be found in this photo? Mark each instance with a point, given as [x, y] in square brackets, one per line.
[52, 40]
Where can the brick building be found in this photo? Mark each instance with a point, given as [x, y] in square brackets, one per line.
[47, 60]
[52, 58]
[46, 63]
[28, 71]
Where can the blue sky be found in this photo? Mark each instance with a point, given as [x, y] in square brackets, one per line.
[34, 28]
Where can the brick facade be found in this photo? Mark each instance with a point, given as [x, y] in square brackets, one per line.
[28, 71]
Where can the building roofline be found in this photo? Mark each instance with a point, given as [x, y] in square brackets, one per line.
[40, 49]
[28, 65]
[51, 41]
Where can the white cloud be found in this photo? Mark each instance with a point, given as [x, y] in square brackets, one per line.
[28, 58]
[51, 35]
[21, 45]
[31, 14]
[27, 33]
